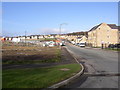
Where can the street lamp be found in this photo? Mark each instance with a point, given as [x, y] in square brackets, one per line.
[25, 37]
[61, 26]
[60, 32]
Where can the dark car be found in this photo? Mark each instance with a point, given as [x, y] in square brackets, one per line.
[117, 45]
[76, 44]
[111, 46]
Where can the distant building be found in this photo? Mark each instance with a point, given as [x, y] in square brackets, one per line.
[16, 39]
[103, 34]
[34, 37]
[8, 38]
[28, 37]
[82, 39]
[22, 37]
[2, 38]
[50, 36]
[40, 36]
[72, 37]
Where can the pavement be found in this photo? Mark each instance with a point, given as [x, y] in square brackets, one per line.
[101, 68]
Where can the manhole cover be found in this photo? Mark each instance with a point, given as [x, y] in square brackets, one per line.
[64, 69]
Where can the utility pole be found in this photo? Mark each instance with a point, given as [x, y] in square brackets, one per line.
[60, 28]
[25, 36]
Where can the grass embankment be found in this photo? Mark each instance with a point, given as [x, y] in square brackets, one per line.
[37, 77]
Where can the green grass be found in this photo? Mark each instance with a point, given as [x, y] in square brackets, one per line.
[96, 47]
[49, 39]
[114, 49]
[54, 60]
[37, 77]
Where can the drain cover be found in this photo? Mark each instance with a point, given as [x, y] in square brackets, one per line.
[64, 69]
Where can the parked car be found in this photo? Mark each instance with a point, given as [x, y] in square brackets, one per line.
[63, 44]
[81, 44]
[51, 45]
[77, 44]
[117, 45]
[73, 42]
[68, 41]
[111, 46]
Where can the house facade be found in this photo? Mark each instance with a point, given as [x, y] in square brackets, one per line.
[103, 34]
[82, 39]
[72, 37]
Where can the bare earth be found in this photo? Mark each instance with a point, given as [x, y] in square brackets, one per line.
[66, 58]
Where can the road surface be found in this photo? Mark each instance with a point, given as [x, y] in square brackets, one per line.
[101, 68]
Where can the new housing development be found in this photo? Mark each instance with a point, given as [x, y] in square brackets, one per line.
[102, 34]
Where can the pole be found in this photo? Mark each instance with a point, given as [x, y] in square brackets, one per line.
[60, 28]
[59, 35]
[60, 31]
[25, 36]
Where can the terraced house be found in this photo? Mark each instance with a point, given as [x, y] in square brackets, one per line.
[103, 34]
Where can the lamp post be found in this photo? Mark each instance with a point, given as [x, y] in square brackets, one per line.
[60, 28]
[25, 37]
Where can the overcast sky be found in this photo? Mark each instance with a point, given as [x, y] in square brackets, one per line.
[46, 17]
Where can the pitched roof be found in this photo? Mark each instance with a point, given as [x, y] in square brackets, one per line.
[119, 28]
[95, 27]
[113, 26]
[79, 37]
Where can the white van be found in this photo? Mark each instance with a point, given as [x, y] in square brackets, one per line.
[73, 42]
[81, 44]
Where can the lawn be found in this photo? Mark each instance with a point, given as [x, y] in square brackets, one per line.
[37, 77]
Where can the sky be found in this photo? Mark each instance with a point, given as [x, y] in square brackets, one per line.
[46, 17]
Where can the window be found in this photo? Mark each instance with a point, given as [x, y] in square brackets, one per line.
[108, 36]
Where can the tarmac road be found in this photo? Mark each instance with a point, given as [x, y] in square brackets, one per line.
[101, 68]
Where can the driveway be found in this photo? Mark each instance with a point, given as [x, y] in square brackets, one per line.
[101, 68]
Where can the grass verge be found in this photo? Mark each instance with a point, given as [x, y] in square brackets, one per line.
[37, 77]
[114, 49]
